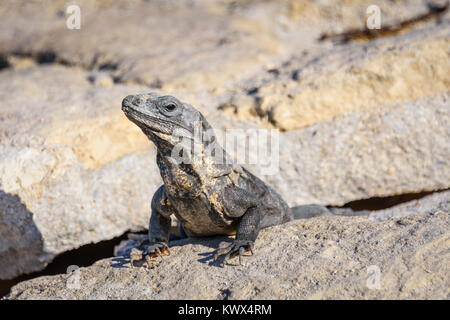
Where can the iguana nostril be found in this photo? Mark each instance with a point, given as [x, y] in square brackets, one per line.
[126, 101]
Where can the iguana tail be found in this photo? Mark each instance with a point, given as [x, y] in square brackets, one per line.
[315, 210]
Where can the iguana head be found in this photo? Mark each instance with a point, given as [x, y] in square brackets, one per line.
[165, 119]
[180, 132]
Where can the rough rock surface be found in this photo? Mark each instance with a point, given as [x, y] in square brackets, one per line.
[65, 160]
[405, 149]
[361, 119]
[359, 76]
[227, 40]
[320, 258]
[435, 202]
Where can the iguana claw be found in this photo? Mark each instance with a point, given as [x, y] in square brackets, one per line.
[236, 248]
[158, 249]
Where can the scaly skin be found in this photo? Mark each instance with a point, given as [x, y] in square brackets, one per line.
[209, 195]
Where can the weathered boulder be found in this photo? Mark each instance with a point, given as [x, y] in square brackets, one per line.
[439, 201]
[213, 44]
[21, 244]
[319, 258]
[362, 120]
[74, 168]
[345, 79]
[405, 149]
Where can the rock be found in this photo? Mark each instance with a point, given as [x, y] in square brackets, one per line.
[226, 42]
[393, 75]
[217, 45]
[356, 77]
[362, 120]
[74, 171]
[426, 204]
[70, 163]
[21, 244]
[405, 149]
[322, 258]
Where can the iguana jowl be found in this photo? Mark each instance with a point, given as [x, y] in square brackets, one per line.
[208, 197]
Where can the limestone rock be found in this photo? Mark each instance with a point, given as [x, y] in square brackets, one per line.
[210, 44]
[405, 149]
[362, 120]
[334, 82]
[321, 258]
[437, 202]
[74, 168]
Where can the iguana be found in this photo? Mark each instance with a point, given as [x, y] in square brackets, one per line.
[203, 187]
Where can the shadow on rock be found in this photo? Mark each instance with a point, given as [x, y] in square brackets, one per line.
[125, 252]
[21, 242]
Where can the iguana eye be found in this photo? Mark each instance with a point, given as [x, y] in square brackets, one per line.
[170, 107]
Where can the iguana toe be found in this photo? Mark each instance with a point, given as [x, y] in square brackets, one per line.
[236, 248]
[154, 250]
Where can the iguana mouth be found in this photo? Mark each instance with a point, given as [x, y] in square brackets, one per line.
[143, 120]
[150, 122]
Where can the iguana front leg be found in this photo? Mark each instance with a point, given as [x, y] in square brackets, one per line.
[159, 229]
[245, 237]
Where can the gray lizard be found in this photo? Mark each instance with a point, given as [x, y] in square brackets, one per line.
[203, 187]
